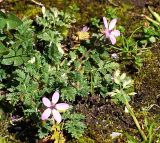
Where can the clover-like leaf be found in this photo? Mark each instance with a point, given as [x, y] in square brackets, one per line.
[3, 49]
[15, 57]
[13, 21]
[2, 20]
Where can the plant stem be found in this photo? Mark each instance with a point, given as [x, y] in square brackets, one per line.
[134, 32]
[92, 86]
[156, 15]
[135, 119]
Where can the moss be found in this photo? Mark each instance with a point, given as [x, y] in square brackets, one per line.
[83, 140]
[147, 81]
[86, 10]
[32, 11]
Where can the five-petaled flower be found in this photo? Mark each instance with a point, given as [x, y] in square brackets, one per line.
[109, 32]
[53, 107]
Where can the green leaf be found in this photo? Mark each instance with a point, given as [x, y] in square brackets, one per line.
[2, 20]
[13, 21]
[74, 124]
[2, 75]
[68, 93]
[2, 15]
[18, 61]
[82, 50]
[3, 49]
[2, 23]
[2, 37]
[72, 55]
[7, 61]
[15, 57]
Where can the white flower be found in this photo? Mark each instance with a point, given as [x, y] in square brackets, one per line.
[32, 60]
[115, 134]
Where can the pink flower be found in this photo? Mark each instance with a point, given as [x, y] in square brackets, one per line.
[109, 32]
[53, 108]
[85, 29]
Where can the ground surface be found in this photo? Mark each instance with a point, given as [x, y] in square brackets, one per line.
[102, 118]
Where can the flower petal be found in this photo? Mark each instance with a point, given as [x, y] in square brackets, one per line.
[106, 32]
[105, 22]
[115, 33]
[85, 29]
[113, 39]
[55, 97]
[57, 116]
[46, 114]
[46, 102]
[115, 134]
[112, 23]
[62, 107]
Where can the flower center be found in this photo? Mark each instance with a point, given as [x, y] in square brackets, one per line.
[107, 32]
[52, 106]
